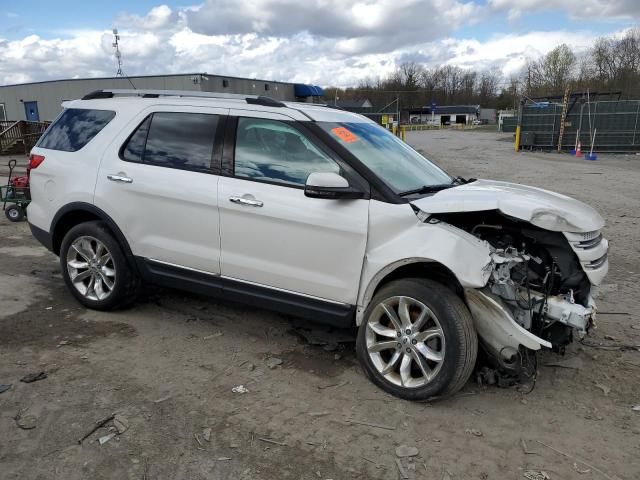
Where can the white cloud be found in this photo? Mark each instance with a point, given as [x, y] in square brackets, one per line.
[579, 9]
[326, 42]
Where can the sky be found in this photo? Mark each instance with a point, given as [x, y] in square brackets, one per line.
[324, 42]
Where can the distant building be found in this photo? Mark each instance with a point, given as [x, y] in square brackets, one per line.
[505, 114]
[445, 115]
[40, 101]
[488, 116]
[353, 104]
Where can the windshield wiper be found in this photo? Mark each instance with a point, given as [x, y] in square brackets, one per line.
[427, 189]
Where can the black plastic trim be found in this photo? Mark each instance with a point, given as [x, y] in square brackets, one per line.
[97, 94]
[87, 207]
[173, 276]
[44, 237]
[266, 101]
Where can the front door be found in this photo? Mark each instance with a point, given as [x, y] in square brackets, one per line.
[31, 111]
[160, 184]
[275, 236]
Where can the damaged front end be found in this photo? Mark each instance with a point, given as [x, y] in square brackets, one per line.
[540, 287]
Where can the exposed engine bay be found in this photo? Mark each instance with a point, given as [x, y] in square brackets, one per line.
[535, 280]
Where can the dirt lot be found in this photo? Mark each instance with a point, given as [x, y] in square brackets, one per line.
[168, 366]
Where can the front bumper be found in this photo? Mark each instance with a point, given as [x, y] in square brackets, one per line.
[591, 248]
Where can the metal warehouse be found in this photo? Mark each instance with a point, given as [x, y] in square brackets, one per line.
[40, 101]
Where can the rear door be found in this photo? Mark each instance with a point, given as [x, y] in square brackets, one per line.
[159, 184]
[272, 234]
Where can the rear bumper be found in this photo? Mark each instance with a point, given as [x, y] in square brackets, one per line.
[42, 236]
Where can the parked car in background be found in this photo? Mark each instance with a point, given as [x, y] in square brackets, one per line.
[319, 213]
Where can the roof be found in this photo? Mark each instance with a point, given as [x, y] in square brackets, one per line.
[131, 102]
[447, 109]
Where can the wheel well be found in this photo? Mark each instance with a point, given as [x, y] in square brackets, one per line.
[432, 270]
[67, 222]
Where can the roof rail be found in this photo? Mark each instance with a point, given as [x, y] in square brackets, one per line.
[253, 99]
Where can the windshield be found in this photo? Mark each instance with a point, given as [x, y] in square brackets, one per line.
[393, 161]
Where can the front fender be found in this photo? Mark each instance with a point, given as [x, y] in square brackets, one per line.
[397, 238]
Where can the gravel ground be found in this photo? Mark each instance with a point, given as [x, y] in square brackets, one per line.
[167, 367]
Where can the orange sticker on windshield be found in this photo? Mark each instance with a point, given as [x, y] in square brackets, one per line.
[345, 135]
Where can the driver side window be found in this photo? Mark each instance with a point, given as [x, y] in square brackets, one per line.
[273, 151]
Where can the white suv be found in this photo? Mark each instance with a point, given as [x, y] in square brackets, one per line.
[319, 213]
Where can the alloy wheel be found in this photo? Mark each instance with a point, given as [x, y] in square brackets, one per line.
[405, 341]
[91, 268]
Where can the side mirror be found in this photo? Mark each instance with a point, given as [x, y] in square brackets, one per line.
[330, 185]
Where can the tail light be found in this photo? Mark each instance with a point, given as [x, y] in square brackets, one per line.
[35, 161]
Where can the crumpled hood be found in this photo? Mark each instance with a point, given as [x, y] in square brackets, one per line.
[542, 208]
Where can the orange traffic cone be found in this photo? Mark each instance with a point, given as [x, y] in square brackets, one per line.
[579, 150]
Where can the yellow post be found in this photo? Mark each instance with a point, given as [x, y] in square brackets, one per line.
[516, 145]
[402, 132]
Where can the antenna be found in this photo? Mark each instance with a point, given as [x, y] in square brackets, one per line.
[118, 55]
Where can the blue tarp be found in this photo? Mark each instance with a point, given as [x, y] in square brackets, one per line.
[304, 90]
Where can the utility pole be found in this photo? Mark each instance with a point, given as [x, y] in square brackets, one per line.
[118, 55]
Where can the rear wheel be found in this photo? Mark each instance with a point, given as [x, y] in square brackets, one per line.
[417, 340]
[95, 268]
[14, 212]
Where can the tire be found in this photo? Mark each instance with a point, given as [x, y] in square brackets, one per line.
[446, 344]
[14, 213]
[115, 283]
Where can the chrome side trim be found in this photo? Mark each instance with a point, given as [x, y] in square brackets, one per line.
[183, 267]
[283, 290]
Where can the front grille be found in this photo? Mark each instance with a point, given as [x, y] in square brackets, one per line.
[596, 263]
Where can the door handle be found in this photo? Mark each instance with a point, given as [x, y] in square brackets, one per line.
[251, 202]
[120, 178]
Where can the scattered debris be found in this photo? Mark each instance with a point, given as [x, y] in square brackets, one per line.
[215, 335]
[99, 424]
[163, 399]
[274, 362]
[635, 327]
[34, 377]
[275, 442]
[240, 389]
[223, 459]
[374, 425]
[106, 438]
[447, 475]
[330, 347]
[577, 469]
[319, 414]
[604, 388]
[405, 451]
[27, 422]
[575, 458]
[4, 387]
[473, 431]
[536, 475]
[318, 334]
[378, 465]
[197, 438]
[575, 363]
[63, 343]
[636, 408]
[121, 424]
[341, 384]
[206, 434]
[403, 472]
[525, 449]
[337, 356]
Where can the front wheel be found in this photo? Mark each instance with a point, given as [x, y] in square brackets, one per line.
[95, 268]
[417, 340]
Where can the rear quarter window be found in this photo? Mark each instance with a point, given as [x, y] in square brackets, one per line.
[75, 128]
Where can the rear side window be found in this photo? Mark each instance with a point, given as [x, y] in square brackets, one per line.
[174, 140]
[75, 128]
